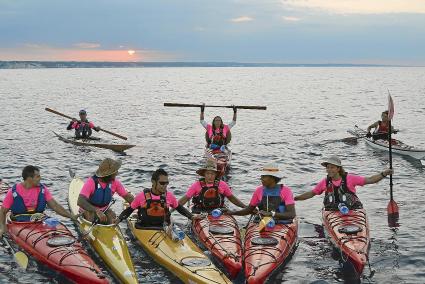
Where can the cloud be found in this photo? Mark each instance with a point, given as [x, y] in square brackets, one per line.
[199, 29]
[360, 6]
[290, 19]
[242, 19]
[86, 45]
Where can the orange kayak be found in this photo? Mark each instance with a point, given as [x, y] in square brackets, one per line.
[268, 250]
[222, 237]
[350, 234]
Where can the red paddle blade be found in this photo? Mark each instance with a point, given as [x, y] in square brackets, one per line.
[392, 207]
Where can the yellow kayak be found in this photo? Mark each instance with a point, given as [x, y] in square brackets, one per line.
[106, 240]
[183, 258]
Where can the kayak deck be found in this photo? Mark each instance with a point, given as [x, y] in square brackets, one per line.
[86, 142]
[106, 240]
[268, 250]
[350, 234]
[222, 237]
[183, 258]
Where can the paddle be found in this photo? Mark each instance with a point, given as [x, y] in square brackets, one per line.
[199, 105]
[96, 221]
[20, 258]
[69, 117]
[392, 207]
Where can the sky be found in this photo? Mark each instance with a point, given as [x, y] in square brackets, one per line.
[252, 31]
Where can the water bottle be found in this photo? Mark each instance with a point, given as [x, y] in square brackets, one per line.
[223, 148]
[343, 208]
[51, 222]
[176, 233]
[271, 224]
[216, 213]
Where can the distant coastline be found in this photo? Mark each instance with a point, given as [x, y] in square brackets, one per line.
[76, 64]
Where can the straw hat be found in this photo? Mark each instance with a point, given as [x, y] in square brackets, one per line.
[333, 160]
[108, 167]
[271, 170]
[210, 165]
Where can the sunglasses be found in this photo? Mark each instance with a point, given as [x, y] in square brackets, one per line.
[163, 182]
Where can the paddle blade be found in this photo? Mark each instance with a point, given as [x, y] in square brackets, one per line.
[350, 140]
[71, 173]
[390, 106]
[263, 223]
[21, 259]
[393, 215]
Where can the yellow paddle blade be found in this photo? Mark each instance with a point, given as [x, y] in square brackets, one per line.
[22, 259]
[263, 223]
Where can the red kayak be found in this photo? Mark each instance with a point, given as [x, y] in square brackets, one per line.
[222, 237]
[223, 159]
[265, 252]
[56, 248]
[350, 234]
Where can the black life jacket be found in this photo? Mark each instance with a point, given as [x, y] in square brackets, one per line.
[155, 212]
[341, 194]
[209, 198]
[83, 130]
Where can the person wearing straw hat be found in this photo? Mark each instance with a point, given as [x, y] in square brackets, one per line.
[209, 192]
[271, 198]
[82, 127]
[339, 186]
[98, 191]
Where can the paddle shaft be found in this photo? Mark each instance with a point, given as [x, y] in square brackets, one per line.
[199, 105]
[69, 117]
[96, 221]
[391, 159]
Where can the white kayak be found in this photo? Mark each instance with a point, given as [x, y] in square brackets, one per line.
[397, 146]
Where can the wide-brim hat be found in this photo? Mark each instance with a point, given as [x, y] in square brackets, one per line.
[108, 167]
[210, 165]
[271, 170]
[333, 160]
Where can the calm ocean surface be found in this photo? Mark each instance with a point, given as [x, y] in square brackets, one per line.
[307, 110]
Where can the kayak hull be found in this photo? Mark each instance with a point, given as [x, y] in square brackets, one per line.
[397, 147]
[223, 159]
[221, 236]
[183, 258]
[354, 247]
[71, 260]
[82, 142]
[269, 250]
[106, 240]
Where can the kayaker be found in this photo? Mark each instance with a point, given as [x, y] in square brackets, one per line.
[272, 198]
[217, 133]
[381, 128]
[27, 198]
[154, 204]
[209, 192]
[82, 127]
[98, 191]
[339, 186]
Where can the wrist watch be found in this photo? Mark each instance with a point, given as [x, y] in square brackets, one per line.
[273, 213]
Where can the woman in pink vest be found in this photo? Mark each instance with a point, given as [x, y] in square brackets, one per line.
[217, 133]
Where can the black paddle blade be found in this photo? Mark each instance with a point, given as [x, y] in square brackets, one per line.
[71, 173]
[393, 219]
[350, 140]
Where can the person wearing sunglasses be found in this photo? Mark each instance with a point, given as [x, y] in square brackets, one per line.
[217, 134]
[154, 204]
[209, 192]
[98, 191]
[82, 127]
[271, 198]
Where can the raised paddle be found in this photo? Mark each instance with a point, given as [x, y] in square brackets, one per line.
[20, 258]
[69, 117]
[199, 105]
[392, 207]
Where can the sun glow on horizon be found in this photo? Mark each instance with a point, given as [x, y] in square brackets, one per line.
[131, 52]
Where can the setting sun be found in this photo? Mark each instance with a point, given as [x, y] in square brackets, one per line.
[131, 52]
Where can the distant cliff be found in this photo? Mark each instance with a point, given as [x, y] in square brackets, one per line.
[72, 64]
